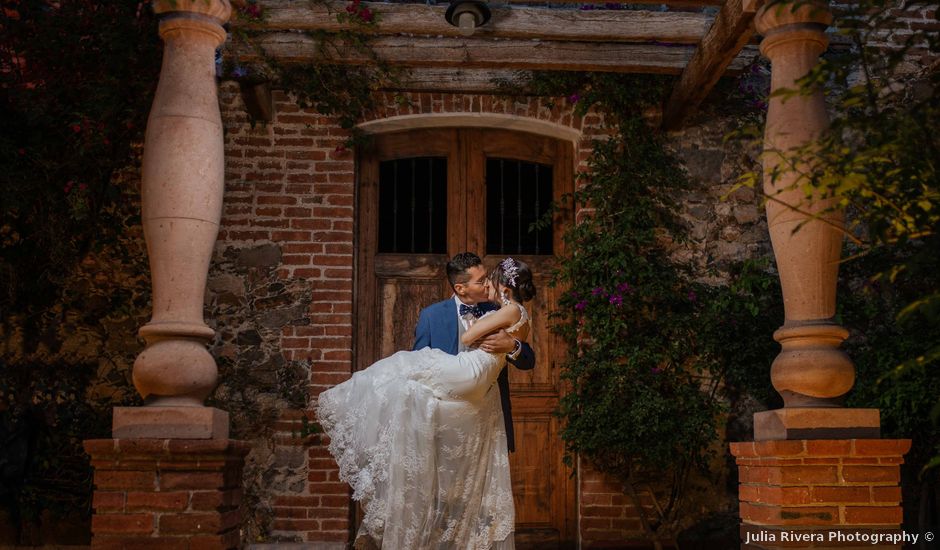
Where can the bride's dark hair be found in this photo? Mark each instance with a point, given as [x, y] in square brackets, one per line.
[515, 275]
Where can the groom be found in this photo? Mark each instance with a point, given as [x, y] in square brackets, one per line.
[440, 325]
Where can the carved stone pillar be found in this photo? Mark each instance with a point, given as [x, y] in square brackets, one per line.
[183, 170]
[811, 373]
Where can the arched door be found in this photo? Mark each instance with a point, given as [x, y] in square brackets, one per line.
[426, 195]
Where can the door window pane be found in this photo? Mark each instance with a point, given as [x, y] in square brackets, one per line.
[517, 194]
[413, 206]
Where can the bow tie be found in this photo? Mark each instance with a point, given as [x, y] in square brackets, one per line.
[476, 311]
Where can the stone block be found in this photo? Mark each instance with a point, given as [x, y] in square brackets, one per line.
[817, 423]
[169, 422]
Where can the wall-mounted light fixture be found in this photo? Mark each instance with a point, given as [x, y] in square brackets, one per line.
[467, 15]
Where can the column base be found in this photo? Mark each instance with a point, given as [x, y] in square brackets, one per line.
[821, 493]
[817, 423]
[169, 423]
[166, 494]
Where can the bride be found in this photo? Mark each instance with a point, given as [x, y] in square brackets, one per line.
[420, 436]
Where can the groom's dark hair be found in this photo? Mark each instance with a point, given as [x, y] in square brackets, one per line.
[458, 265]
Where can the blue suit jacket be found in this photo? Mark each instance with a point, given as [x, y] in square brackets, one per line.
[437, 328]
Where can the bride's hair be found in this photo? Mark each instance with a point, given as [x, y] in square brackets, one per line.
[515, 275]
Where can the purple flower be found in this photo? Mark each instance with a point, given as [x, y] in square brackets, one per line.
[656, 370]
[692, 296]
[616, 299]
[625, 287]
[573, 98]
[581, 305]
[239, 72]
[575, 295]
[598, 291]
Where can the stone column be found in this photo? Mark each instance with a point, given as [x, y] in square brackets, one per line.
[170, 477]
[183, 170]
[811, 373]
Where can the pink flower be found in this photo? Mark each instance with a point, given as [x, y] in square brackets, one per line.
[625, 287]
[598, 291]
[573, 98]
[581, 305]
[692, 296]
[365, 15]
[616, 299]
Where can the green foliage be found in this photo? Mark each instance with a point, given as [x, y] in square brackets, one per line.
[652, 354]
[75, 89]
[76, 82]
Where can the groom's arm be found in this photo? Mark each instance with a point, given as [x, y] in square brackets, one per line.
[422, 331]
[526, 358]
[501, 342]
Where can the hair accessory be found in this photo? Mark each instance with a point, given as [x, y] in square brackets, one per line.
[510, 270]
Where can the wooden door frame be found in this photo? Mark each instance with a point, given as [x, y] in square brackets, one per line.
[463, 147]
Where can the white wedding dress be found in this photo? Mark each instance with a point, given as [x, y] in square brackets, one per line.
[420, 438]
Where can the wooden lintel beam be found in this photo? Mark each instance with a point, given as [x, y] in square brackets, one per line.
[604, 3]
[730, 32]
[470, 53]
[506, 22]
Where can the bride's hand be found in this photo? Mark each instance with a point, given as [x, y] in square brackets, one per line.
[498, 342]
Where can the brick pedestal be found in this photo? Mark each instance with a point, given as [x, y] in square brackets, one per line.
[824, 493]
[166, 494]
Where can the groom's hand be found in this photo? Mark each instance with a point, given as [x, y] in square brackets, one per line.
[498, 342]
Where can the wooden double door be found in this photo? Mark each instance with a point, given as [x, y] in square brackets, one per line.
[425, 195]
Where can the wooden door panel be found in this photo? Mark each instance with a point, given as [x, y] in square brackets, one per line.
[399, 306]
[528, 469]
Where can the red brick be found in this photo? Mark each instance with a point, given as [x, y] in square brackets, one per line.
[335, 501]
[886, 494]
[871, 473]
[775, 495]
[595, 523]
[104, 501]
[192, 480]
[295, 524]
[139, 543]
[117, 479]
[829, 447]
[329, 488]
[334, 524]
[290, 500]
[842, 495]
[602, 511]
[288, 513]
[213, 500]
[882, 447]
[828, 460]
[158, 501]
[778, 448]
[873, 515]
[122, 523]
